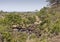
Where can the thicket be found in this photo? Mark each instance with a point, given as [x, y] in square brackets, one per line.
[49, 26]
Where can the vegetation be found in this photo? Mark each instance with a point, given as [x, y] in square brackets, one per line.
[30, 27]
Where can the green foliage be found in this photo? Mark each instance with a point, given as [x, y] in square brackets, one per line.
[6, 36]
[56, 27]
[50, 25]
[31, 20]
[13, 19]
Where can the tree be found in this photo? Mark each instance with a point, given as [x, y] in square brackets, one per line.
[54, 2]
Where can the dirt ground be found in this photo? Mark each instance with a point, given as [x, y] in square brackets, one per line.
[55, 39]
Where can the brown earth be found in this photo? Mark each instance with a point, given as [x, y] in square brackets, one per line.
[55, 39]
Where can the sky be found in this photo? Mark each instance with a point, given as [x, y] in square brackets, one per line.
[22, 5]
